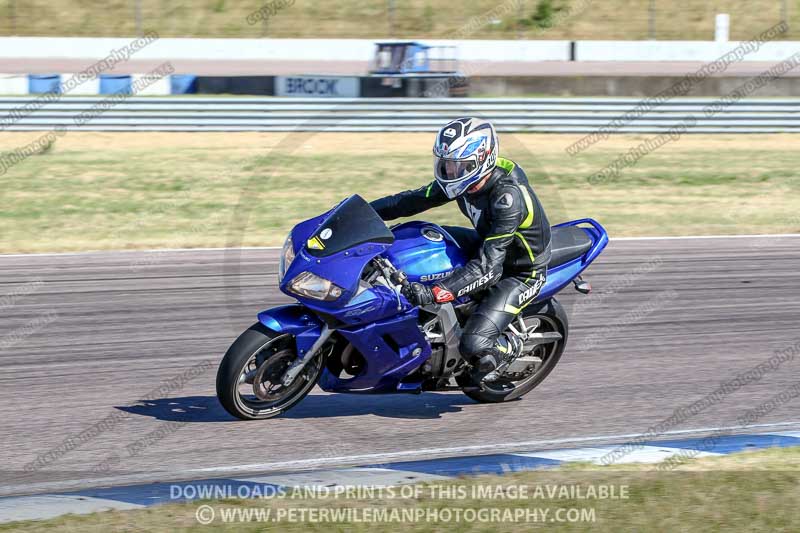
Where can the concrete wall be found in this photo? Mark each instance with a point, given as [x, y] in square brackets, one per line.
[266, 49]
[678, 50]
[13, 85]
[619, 86]
[362, 49]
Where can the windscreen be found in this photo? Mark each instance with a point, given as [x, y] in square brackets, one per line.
[352, 223]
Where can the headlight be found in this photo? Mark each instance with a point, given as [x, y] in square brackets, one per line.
[287, 256]
[312, 286]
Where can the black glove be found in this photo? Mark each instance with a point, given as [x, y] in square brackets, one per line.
[418, 294]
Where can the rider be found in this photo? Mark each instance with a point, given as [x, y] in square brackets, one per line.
[513, 236]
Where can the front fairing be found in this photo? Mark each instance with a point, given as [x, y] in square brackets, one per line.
[357, 304]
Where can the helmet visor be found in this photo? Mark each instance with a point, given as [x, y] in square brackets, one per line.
[454, 169]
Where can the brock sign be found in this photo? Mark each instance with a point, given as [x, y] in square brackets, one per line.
[317, 86]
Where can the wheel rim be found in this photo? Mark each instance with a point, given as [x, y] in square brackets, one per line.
[259, 389]
[544, 351]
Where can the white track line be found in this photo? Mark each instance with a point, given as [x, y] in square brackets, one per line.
[302, 465]
[463, 450]
[163, 250]
[680, 237]
[153, 251]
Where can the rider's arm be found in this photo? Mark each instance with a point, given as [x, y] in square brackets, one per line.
[410, 203]
[508, 211]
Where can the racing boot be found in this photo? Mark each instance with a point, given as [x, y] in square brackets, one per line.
[508, 347]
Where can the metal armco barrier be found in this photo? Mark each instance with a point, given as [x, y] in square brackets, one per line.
[549, 115]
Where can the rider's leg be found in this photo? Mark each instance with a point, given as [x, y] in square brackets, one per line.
[484, 342]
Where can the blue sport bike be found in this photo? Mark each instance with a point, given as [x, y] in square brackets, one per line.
[352, 330]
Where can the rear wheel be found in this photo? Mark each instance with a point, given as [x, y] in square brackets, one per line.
[249, 378]
[547, 331]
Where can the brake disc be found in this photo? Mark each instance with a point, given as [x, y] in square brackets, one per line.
[267, 384]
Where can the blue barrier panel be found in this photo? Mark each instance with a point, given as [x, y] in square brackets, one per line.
[44, 83]
[110, 84]
[183, 84]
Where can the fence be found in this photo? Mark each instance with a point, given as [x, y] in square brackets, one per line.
[552, 115]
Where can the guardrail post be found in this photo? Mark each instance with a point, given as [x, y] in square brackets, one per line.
[722, 27]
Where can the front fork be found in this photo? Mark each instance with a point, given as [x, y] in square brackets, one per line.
[304, 357]
[309, 332]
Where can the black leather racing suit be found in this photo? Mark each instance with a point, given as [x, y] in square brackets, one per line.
[511, 256]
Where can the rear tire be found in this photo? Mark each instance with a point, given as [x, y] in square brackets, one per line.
[554, 318]
[252, 356]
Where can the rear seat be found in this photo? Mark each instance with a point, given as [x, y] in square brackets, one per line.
[568, 243]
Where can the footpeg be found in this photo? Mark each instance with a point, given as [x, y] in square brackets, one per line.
[581, 285]
[491, 376]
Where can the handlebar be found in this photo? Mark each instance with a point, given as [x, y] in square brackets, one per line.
[392, 273]
[399, 277]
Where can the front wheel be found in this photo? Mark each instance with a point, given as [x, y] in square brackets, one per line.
[547, 325]
[249, 377]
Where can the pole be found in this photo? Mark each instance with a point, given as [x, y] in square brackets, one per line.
[722, 27]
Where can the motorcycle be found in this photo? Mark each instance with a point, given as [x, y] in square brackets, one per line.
[353, 331]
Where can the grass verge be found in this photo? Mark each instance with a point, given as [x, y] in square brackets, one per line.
[411, 19]
[100, 191]
[751, 491]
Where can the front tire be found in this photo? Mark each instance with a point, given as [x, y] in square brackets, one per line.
[248, 378]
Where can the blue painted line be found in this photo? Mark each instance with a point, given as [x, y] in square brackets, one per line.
[464, 466]
[730, 443]
[159, 493]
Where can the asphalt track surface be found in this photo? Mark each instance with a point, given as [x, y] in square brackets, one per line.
[87, 336]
